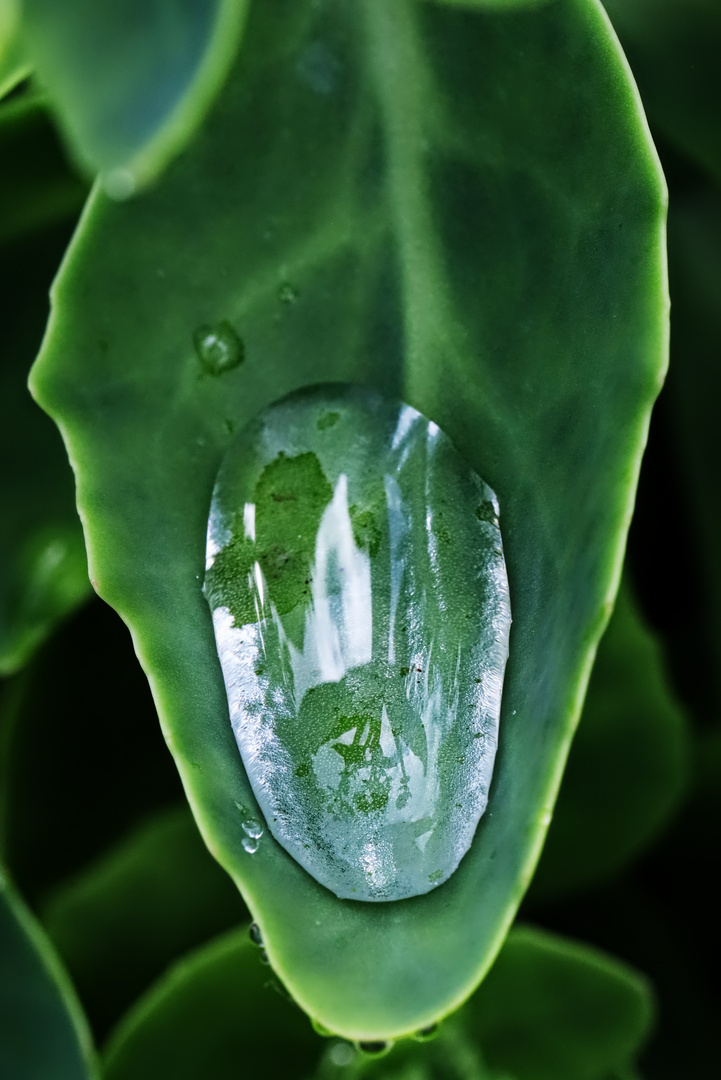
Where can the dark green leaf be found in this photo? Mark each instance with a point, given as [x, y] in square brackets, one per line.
[43, 569]
[131, 80]
[551, 1009]
[122, 920]
[37, 187]
[82, 750]
[425, 198]
[216, 1013]
[695, 389]
[628, 766]
[43, 1033]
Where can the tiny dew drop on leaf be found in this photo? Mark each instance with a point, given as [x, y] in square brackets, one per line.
[358, 587]
[219, 349]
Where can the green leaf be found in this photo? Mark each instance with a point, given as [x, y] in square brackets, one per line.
[42, 1030]
[214, 1013]
[145, 902]
[13, 63]
[43, 568]
[673, 47]
[425, 199]
[133, 80]
[629, 763]
[551, 1009]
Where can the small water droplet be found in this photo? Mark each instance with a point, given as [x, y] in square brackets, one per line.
[255, 935]
[321, 1029]
[427, 1033]
[253, 829]
[250, 844]
[374, 1047]
[120, 184]
[287, 293]
[219, 348]
[341, 1054]
[264, 956]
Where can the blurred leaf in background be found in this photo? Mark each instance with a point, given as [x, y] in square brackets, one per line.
[42, 1030]
[628, 768]
[131, 912]
[43, 568]
[672, 46]
[83, 760]
[132, 80]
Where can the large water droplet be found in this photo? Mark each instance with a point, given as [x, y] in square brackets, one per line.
[218, 347]
[361, 614]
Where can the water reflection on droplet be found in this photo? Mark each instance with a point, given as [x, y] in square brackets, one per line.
[250, 844]
[253, 829]
[361, 613]
[255, 935]
[219, 349]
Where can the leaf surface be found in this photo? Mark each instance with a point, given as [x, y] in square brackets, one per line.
[379, 197]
